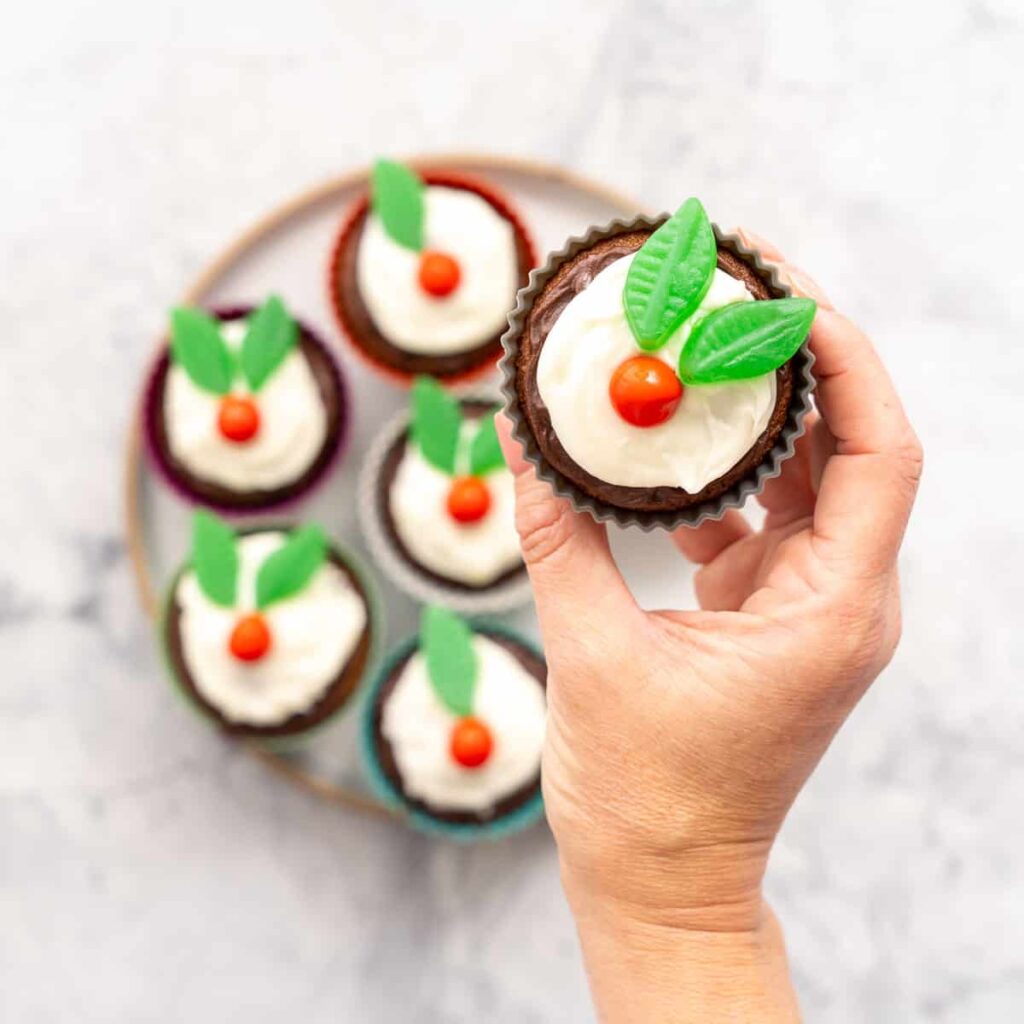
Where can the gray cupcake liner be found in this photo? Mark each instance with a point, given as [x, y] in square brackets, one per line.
[714, 508]
[502, 597]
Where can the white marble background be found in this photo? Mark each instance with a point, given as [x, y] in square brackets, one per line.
[147, 872]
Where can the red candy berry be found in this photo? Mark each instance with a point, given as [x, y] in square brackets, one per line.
[468, 499]
[250, 639]
[645, 391]
[238, 418]
[439, 273]
[471, 742]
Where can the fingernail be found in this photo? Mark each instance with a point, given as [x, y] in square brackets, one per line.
[806, 285]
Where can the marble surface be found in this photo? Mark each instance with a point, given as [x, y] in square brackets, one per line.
[148, 872]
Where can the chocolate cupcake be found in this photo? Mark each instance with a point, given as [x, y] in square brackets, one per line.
[245, 410]
[454, 727]
[269, 631]
[656, 371]
[425, 270]
[437, 504]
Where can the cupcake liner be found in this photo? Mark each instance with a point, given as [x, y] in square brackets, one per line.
[502, 597]
[153, 394]
[713, 508]
[517, 820]
[376, 621]
[349, 223]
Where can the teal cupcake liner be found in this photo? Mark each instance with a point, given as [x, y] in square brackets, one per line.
[507, 824]
[376, 620]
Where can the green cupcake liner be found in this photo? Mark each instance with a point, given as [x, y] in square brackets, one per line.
[515, 821]
[284, 744]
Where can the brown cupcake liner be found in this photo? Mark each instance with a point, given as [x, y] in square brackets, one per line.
[714, 508]
[502, 596]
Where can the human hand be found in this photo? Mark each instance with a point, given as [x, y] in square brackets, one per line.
[677, 740]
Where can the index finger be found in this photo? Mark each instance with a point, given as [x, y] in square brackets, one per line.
[868, 486]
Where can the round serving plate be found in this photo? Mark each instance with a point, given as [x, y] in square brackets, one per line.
[287, 252]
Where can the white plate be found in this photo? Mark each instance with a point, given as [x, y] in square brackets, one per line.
[287, 252]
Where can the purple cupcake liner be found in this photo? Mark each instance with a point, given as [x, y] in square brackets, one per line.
[714, 508]
[153, 394]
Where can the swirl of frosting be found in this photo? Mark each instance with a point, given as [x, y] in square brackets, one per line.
[474, 554]
[293, 425]
[465, 226]
[418, 728]
[313, 636]
[714, 426]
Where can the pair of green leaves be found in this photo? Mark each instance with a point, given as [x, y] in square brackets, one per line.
[198, 346]
[447, 645]
[283, 574]
[397, 195]
[667, 281]
[436, 428]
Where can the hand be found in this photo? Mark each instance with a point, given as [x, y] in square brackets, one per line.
[677, 740]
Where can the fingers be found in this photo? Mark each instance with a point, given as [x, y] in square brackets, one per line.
[574, 577]
[704, 543]
[868, 485]
[791, 495]
[799, 280]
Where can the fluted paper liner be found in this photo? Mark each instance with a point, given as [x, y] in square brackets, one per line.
[375, 622]
[488, 600]
[506, 824]
[693, 515]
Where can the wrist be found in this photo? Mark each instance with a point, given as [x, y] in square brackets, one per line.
[711, 888]
[650, 971]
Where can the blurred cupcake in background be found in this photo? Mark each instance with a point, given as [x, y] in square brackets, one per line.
[245, 409]
[425, 270]
[454, 727]
[437, 504]
[267, 631]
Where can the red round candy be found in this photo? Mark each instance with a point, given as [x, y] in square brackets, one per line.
[250, 639]
[439, 273]
[471, 742]
[645, 391]
[468, 499]
[238, 418]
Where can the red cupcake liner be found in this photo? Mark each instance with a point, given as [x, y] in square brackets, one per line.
[152, 395]
[353, 217]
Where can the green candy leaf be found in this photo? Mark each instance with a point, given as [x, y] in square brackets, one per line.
[436, 420]
[670, 274]
[270, 336]
[484, 450]
[745, 339]
[447, 644]
[215, 558]
[285, 572]
[197, 346]
[398, 201]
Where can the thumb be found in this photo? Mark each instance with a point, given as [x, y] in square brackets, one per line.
[575, 579]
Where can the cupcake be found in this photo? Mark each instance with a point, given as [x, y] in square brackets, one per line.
[267, 631]
[656, 371]
[245, 409]
[438, 504]
[425, 271]
[454, 727]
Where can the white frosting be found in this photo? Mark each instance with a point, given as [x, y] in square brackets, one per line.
[419, 727]
[471, 553]
[312, 635]
[292, 431]
[714, 426]
[467, 227]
